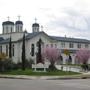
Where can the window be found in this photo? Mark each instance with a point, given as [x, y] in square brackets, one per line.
[7, 50]
[20, 28]
[32, 50]
[79, 45]
[11, 29]
[13, 50]
[17, 28]
[0, 49]
[63, 44]
[71, 45]
[7, 28]
[3, 29]
[86, 45]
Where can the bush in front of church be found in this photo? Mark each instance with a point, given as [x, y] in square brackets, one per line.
[6, 65]
[28, 64]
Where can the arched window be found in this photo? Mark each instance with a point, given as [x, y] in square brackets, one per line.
[18, 28]
[79, 45]
[7, 28]
[32, 49]
[71, 45]
[7, 50]
[3, 30]
[0, 49]
[13, 50]
[11, 29]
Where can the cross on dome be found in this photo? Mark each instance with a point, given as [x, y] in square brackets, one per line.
[35, 20]
[19, 17]
[41, 28]
[8, 18]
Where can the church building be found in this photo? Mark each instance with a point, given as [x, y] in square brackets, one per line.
[15, 32]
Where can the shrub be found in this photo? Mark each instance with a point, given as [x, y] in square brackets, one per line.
[6, 65]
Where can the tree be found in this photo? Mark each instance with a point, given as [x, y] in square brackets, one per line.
[83, 56]
[66, 52]
[52, 54]
[5, 62]
[10, 48]
[23, 53]
[39, 55]
[3, 58]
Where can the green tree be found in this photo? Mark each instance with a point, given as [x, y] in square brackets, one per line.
[10, 48]
[23, 53]
[39, 56]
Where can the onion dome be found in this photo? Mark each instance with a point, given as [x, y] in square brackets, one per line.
[35, 25]
[19, 22]
[8, 23]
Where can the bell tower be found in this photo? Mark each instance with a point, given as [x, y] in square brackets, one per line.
[19, 25]
[8, 26]
[35, 27]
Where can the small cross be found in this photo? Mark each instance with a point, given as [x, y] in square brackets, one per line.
[19, 18]
[35, 20]
[41, 28]
[8, 18]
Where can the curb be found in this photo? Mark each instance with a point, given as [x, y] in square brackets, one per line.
[45, 77]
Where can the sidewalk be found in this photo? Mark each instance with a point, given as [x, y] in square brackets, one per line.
[81, 76]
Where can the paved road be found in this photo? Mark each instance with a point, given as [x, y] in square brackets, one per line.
[20, 84]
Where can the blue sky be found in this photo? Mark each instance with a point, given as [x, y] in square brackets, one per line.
[58, 17]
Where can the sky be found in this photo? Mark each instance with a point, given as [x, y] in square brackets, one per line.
[70, 18]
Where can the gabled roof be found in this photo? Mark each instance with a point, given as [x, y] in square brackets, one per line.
[31, 35]
[5, 41]
[66, 39]
[1, 38]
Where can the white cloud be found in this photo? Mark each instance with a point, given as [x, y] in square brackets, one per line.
[59, 17]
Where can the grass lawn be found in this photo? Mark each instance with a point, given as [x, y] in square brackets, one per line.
[31, 73]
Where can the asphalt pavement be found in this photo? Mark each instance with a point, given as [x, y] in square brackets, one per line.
[38, 84]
